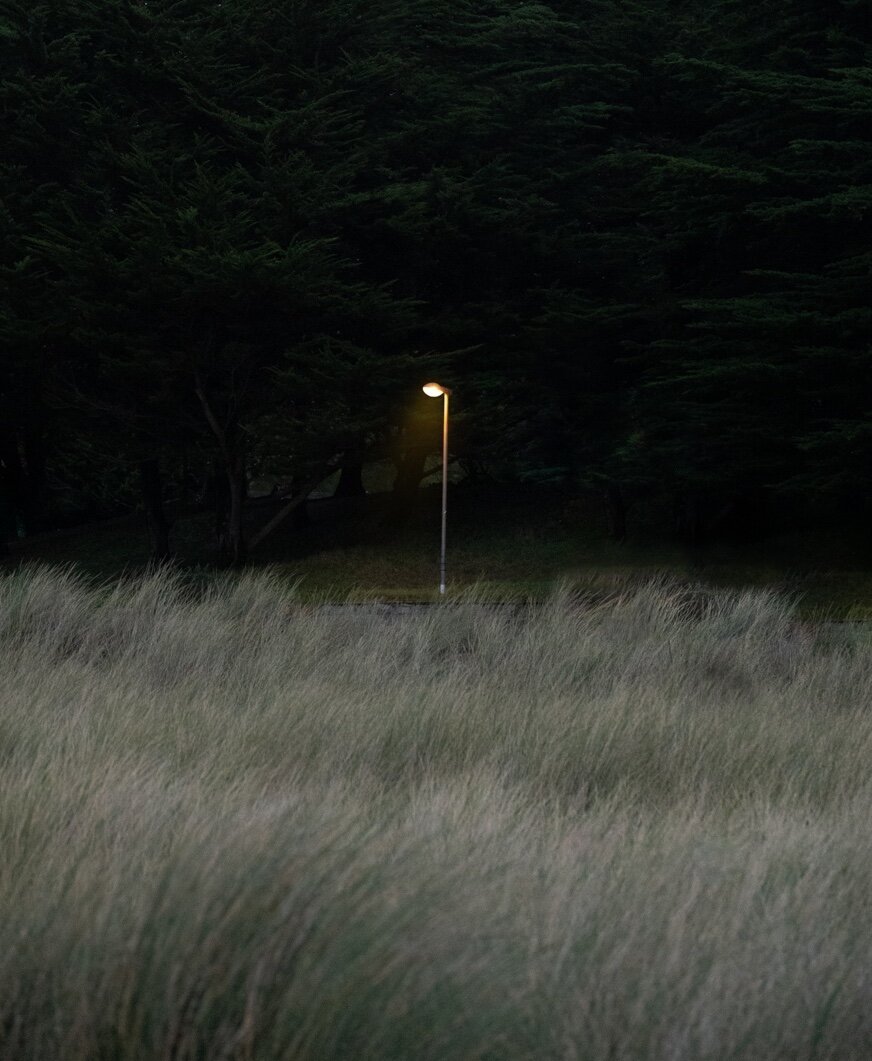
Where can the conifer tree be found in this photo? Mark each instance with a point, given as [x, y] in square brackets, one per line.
[190, 253]
[760, 198]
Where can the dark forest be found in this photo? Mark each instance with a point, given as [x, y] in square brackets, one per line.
[633, 237]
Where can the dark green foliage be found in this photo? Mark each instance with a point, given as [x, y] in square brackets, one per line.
[752, 382]
[634, 238]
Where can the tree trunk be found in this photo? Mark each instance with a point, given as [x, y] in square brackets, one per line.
[688, 520]
[350, 481]
[231, 538]
[231, 541]
[8, 522]
[22, 468]
[10, 488]
[292, 506]
[410, 472]
[301, 518]
[11, 474]
[617, 510]
[726, 512]
[152, 496]
[33, 495]
[213, 493]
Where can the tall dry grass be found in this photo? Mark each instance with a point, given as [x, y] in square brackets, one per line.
[235, 827]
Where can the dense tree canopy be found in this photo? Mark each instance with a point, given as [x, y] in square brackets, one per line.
[634, 237]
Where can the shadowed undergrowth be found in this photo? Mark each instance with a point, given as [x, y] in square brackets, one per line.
[235, 826]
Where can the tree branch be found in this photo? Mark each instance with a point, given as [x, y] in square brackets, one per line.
[212, 420]
[287, 509]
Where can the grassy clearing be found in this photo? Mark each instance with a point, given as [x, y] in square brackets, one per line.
[514, 545]
[238, 826]
[510, 549]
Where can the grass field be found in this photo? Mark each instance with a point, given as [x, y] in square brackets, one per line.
[237, 826]
[511, 542]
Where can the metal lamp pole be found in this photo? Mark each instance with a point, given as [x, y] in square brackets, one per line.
[434, 390]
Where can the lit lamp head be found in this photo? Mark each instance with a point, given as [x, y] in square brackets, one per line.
[435, 390]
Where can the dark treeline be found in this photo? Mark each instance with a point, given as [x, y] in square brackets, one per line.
[633, 236]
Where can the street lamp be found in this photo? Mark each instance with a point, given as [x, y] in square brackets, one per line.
[435, 390]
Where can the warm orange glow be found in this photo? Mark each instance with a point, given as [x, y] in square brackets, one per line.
[433, 390]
